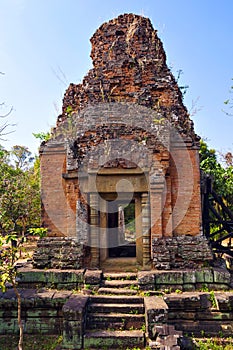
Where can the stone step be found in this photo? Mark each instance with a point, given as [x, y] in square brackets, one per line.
[116, 299]
[120, 284]
[114, 339]
[119, 308]
[120, 276]
[115, 321]
[117, 291]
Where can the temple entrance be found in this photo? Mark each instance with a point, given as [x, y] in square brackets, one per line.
[121, 229]
[119, 218]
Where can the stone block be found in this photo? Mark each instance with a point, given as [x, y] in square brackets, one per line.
[222, 276]
[156, 312]
[72, 335]
[181, 315]
[224, 301]
[75, 307]
[32, 276]
[169, 278]
[204, 276]
[189, 277]
[189, 287]
[146, 278]
[146, 287]
[93, 277]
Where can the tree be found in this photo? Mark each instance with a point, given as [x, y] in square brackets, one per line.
[19, 212]
[22, 157]
[19, 192]
[9, 248]
[222, 174]
[3, 116]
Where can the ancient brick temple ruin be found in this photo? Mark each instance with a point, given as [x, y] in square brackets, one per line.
[120, 177]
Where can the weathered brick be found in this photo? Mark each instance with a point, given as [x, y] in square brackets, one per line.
[127, 115]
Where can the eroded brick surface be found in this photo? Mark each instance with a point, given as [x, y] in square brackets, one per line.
[126, 117]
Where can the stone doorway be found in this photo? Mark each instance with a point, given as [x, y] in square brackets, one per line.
[114, 192]
[121, 229]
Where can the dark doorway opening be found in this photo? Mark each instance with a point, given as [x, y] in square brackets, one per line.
[121, 229]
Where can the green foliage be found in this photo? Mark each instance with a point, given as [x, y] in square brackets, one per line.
[32, 342]
[143, 328]
[129, 213]
[38, 231]
[42, 136]
[222, 175]
[19, 191]
[22, 157]
[146, 294]
[69, 110]
[178, 291]
[213, 299]
[10, 251]
[204, 288]
[134, 287]
[214, 344]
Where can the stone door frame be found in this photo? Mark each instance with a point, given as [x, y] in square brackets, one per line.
[103, 185]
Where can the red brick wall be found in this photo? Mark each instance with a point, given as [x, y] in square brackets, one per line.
[58, 215]
[129, 65]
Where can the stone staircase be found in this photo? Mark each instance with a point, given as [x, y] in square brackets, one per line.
[119, 284]
[116, 316]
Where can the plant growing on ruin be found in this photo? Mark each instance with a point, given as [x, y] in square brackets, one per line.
[42, 136]
[213, 299]
[204, 288]
[183, 88]
[213, 344]
[178, 291]
[38, 231]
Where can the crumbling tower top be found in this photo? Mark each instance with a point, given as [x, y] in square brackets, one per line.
[126, 38]
[129, 65]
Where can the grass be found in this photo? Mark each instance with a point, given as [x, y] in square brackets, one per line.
[214, 344]
[31, 342]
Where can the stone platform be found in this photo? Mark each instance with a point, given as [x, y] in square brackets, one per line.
[95, 316]
[93, 309]
[211, 278]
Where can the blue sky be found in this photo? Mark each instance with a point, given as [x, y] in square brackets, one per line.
[44, 45]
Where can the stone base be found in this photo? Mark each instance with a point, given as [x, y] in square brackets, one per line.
[185, 280]
[181, 252]
[58, 252]
[170, 253]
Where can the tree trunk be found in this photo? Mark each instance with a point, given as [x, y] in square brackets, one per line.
[20, 343]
